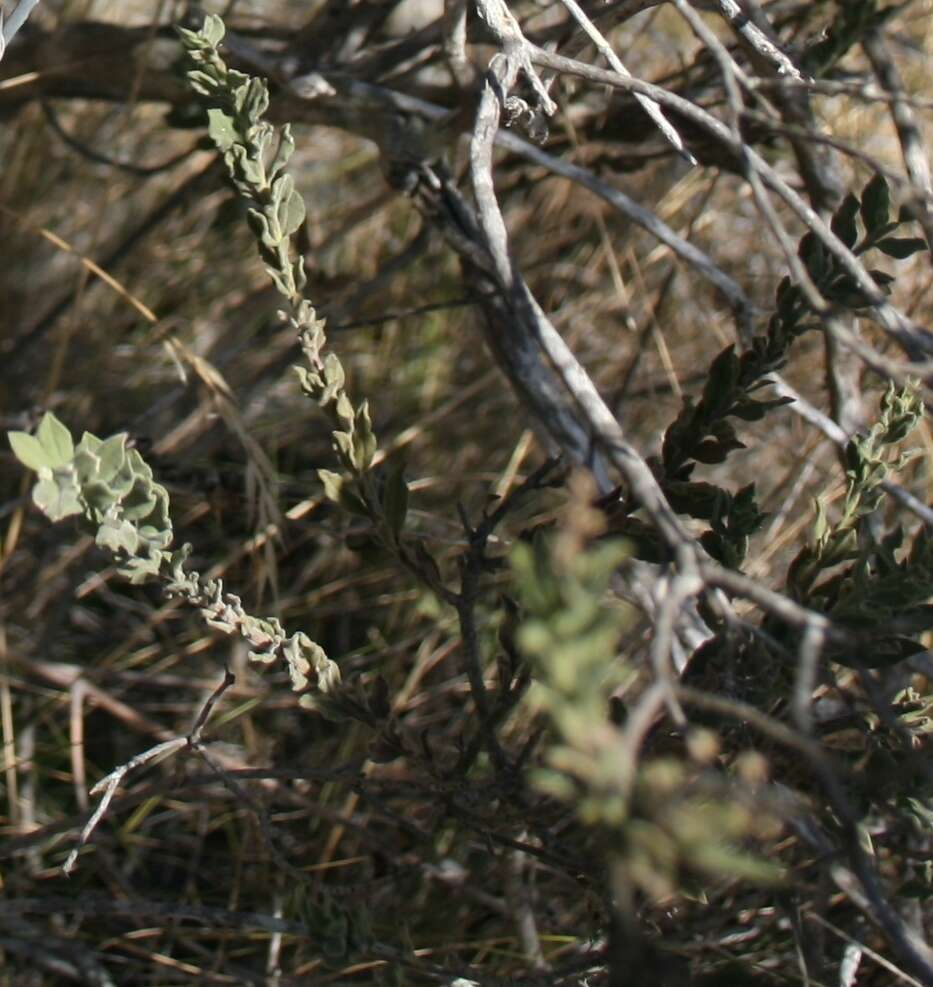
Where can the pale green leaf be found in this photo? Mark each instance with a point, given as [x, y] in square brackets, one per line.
[112, 455]
[55, 439]
[213, 30]
[221, 128]
[333, 483]
[118, 537]
[57, 499]
[292, 213]
[28, 450]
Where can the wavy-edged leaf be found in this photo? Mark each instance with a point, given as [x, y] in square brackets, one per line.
[117, 536]
[57, 498]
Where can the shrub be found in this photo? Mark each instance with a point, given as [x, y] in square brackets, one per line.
[600, 709]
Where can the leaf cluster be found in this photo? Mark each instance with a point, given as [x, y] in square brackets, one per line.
[107, 483]
[704, 432]
[236, 106]
[862, 579]
[111, 488]
[664, 818]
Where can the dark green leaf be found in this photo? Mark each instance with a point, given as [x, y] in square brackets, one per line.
[879, 653]
[843, 224]
[846, 292]
[901, 246]
[723, 376]
[814, 256]
[752, 411]
[710, 451]
[876, 204]
[700, 500]
[881, 278]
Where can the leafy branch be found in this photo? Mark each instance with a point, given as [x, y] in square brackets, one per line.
[110, 488]
[848, 572]
[704, 433]
[256, 155]
[663, 817]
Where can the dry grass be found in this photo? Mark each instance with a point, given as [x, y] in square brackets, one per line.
[92, 671]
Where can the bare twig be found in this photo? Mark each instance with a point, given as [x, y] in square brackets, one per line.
[109, 784]
[648, 105]
[914, 339]
[12, 25]
[916, 159]
[758, 40]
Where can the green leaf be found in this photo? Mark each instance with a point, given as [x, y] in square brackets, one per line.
[140, 501]
[882, 279]
[821, 525]
[283, 152]
[880, 653]
[98, 496]
[876, 204]
[333, 484]
[212, 31]
[699, 500]
[254, 171]
[90, 443]
[814, 256]
[334, 377]
[723, 376]
[117, 536]
[255, 99]
[140, 570]
[55, 439]
[343, 446]
[291, 213]
[710, 451]
[364, 439]
[29, 451]
[86, 464]
[221, 128]
[202, 83]
[344, 411]
[282, 188]
[154, 537]
[900, 247]
[843, 224]
[57, 498]
[752, 411]
[112, 456]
